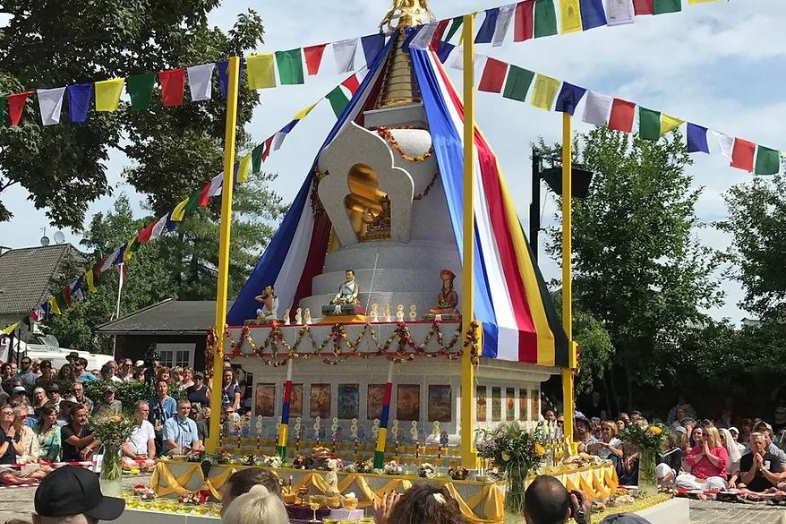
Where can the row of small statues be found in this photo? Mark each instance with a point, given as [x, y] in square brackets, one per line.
[345, 302]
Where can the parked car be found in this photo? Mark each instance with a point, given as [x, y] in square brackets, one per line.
[47, 347]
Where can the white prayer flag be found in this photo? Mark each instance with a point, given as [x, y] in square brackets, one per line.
[109, 261]
[344, 51]
[215, 185]
[619, 12]
[159, 227]
[50, 103]
[504, 17]
[597, 109]
[200, 81]
[725, 143]
[424, 37]
[278, 140]
[456, 59]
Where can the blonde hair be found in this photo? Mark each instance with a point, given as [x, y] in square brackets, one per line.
[731, 446]
[712, 437]
[258, 506]
[611, 425]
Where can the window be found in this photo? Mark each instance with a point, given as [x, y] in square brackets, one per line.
[496, 403]
[510, 403]
[173, 355]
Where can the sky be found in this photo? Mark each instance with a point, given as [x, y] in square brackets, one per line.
[718, 64]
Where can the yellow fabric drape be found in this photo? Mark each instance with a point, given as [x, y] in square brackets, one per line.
[544, 92]
[261, 71]
[108, 94]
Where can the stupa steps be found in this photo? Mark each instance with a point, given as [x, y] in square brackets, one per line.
[384, 279]
[422, 255]
[423, 300]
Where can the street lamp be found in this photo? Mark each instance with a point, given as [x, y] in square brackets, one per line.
[581, 179]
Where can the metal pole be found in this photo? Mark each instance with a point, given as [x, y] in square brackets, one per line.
[223, 252]
[534, 207]
[567, 283]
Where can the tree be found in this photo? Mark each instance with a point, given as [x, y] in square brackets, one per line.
[638, 267]
[50, 44]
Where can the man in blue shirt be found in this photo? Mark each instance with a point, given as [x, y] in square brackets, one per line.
[81, 374]
[180, 432]
[162, 408]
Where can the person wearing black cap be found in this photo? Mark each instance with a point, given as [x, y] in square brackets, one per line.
[53, 394]
[73, 495]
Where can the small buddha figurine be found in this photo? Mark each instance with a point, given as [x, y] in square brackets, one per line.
[447, 299]
[346, 299]
[299, 316]
[400, 313]
[387, 313]
[374, 312]
[413, 313]
[268, 312]
[285, 318]
[307, 316]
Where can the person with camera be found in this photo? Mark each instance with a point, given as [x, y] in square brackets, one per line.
[547, 501]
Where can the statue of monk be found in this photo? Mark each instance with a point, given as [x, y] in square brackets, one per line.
[447, 298]
[348, 292]
[269, 310]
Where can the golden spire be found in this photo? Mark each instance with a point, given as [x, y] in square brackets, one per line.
[409, 13]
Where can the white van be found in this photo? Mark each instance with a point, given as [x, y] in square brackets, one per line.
[47, 347]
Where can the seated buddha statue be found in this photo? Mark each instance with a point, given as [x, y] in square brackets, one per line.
[346, 300]
[447, 299]
[269, 310]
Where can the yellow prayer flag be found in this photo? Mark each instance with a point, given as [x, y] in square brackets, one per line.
[570, 16]
[128, 254]
[89, 279]
[53, 307]
[243, 168]
[669, 123]
[692, 2]
[544, 92]
[108, 94]
[303, 113]
[180, 210]
[10, 329]
[261, 71]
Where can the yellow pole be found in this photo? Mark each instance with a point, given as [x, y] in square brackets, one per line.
[567, 289]
[469, 456]
[223, 252]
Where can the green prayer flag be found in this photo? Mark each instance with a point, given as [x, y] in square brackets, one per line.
[192, 203]
[666, 6]
[768, 161]
[290, 66]
[454, 26]
[256, 158]
[649, 124]
[61, 302]
[545, 18]
[3, 111]
[140, 89]
[338, 101]
[518, 82]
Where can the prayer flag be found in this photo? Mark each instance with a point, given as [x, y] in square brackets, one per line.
[243, 169]
[281, 135]
[742, 154]
[132, 248]
[90, 282]
[179, 212]
[544, 92]
[108, 94]
[570, 16]
[215, 185]
[121, 251]
[597, 109]
[486, 31]
[493, 76]
[204, 196]
[545, 18]
[372, 45]
[16, 106]
[344, 53]
[436, 39]
[192, 203]
[338, 101]
[352, 84]
[503, 23]
[50, 104]
[423, 36]
[146, 232]
[268, 144]
[569, 97]
[524, 21]
[694, 2]
[314, 55]
[725, 143]
[622, 113]
[140, 89]
[60, 301]
[9, 329]
[67, 295]
[79, 96]
[649, 124]
[256, 158]
[768, 161]
[54, 307]
[643, 7]
[290, 66]
[619, 12]
[666, 6]
[444, 51]
[261, 72]
[303, 113]
[200, 82]
[454, 27]
[46, 307]
[158, 227]
[669, 123]
[697, 139]
[223, 79]
[592, 14]
[518, 82]
[173, 86]
[3, 111]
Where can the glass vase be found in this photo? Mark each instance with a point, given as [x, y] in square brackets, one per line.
[648, 481]
[514, 492]
[111, 472]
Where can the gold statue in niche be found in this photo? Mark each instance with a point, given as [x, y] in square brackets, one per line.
[368, 207]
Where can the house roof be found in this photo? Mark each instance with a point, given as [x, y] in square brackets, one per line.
[26, 275]
[170, 317]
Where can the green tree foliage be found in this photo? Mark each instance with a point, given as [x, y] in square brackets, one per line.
[638, 267]
[51, 44]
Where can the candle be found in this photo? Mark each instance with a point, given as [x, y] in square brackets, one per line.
[316, 428]
[353, 428]
[413, 430]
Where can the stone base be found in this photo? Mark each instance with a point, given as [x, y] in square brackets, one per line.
[674, 511]
[329, 310]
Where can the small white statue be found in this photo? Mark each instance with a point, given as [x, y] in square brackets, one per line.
[387, 313]
[400, 313]
[299, 316]
[286, 317]
[259, 425]
[375, 428]
[331, 477]
[374, 312]
[394, 429]
[353, 428]
[317, 421]
[413, 430]
[307, 316]
[413, 313]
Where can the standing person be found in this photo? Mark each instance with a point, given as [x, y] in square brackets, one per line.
[48, 433]
[162, 408]
[230, 395]
[141, 445]
[9, 440]
[78, 440]
[180, 432]
[199, 393]
[707, 461]
[27, 374]
[78, 391]
[188, 378]
[73, 495]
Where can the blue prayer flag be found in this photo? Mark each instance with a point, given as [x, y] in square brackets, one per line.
[372, 45]
[486, 32]
[223, 77]
[444, 51]
[79, 96]
[569, 97]
[592, 14]
[697, 139]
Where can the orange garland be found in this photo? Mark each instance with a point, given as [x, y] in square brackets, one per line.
[387, 135]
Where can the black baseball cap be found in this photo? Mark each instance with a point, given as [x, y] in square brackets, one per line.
[72, 490]
[73, 355]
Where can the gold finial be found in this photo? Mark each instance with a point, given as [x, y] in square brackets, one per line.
[409, 13]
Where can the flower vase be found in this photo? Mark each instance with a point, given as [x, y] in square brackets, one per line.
[514, 492]
[111, 472]
[648, 481]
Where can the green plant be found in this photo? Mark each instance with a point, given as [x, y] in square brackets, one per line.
[647, 438]
[127, 393]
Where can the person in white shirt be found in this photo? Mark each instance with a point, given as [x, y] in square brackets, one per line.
[140, 449]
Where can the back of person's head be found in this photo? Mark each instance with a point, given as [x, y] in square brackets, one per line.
[258, 506]
[426, 503]
[546, 501]
[243, 480]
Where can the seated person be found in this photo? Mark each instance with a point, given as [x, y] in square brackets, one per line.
[581, 432]
[707, 461]
[109, 404]
[760, 470]
[180, 432]
[78, 440]
[140, 448]
[48, 433]
[609, 447]
[268, 312]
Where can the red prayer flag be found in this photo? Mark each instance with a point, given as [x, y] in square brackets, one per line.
[268, 146]
[173, 84]
[352, 84]
[67, 295]
[16, 106]
[622, 113]
[440, 31]
[742, 155]
[314, 57]
[493, 76]
[643, 7]
[144, 236]
[204, 196]
[524, 21]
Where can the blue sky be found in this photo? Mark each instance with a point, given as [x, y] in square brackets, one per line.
[720, 65]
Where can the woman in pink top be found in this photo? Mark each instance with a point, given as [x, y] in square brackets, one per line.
[707, 461]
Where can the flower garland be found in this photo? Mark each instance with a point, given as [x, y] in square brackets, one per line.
[423, 194]
[472, 341]
[385, 133]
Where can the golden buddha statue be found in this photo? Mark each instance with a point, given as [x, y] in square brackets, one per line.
[447, 299]
[409, 13]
